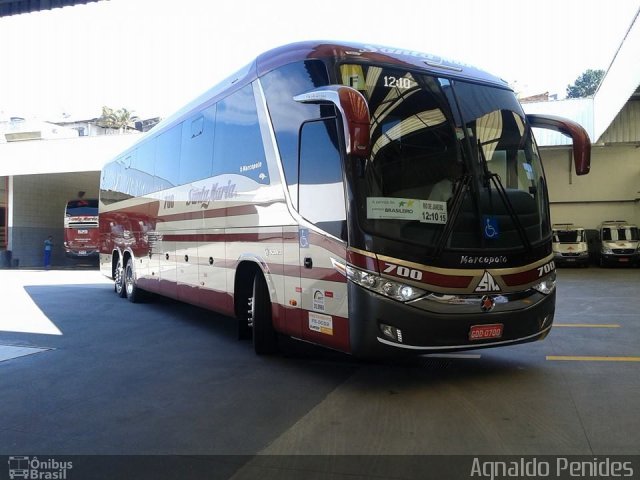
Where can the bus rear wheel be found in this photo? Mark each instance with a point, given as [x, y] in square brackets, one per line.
[118, 280]
[133, 292]
[265, 338]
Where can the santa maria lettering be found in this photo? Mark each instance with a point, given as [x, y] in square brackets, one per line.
[203, 196]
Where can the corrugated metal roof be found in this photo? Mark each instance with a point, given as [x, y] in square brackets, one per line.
[577, 109]
[620, 81]
[599, 115]
[625, 128]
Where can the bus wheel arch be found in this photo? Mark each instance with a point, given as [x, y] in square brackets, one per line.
[253, 308]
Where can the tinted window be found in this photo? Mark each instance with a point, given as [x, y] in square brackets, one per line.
[238, 145]
[287, 115]
[167, 168]
[82, 207]
[321, 190]
[142, 166]
[196, 153]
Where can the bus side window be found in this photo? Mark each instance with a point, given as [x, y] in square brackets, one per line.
[321, 191]
[238, 145]
[287, 115]
[143, 167]
[167, 166]
[196, 154]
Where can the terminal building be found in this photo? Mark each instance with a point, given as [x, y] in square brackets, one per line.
[42, 166]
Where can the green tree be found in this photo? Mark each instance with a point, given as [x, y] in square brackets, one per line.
[586, 84]
[121, 119]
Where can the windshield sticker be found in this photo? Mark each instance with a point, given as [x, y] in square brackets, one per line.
[490, 229]
[434, 212]
[425, 211]
[393, 208]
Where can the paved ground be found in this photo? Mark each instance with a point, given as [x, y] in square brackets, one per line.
[83, 372]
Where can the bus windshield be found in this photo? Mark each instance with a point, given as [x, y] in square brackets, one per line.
[82, 208]
[452, 165]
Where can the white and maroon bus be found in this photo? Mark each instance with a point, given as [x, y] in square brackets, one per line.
[368, 199]
[81, 234]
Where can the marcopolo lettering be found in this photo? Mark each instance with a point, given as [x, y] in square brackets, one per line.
[471, 260]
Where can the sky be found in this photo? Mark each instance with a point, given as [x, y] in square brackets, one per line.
[153, 56]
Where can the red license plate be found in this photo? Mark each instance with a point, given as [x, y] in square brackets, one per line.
[482, 332]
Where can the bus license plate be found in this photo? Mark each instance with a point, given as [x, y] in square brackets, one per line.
[482, 332]
[83, 231]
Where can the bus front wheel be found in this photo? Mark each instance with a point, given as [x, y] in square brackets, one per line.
[265, 338]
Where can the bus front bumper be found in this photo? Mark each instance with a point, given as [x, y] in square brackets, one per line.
[382, 327]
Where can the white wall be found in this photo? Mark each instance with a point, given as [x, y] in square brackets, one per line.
[38, 211]
[610, 191]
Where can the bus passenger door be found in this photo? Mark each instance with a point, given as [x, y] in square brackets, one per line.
[293, 312]
[321, 201]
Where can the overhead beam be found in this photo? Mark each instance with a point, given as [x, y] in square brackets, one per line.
[18, 7]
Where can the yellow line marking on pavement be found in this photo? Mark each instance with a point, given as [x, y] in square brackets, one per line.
[587, 325]
[592, 359]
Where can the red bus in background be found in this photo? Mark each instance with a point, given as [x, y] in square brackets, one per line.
[81, 234]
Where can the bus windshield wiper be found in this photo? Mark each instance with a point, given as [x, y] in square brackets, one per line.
[490, 177]
[458, 197]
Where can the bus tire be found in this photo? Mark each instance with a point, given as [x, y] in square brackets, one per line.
[118, 280]
[133, 292]
[265, 338]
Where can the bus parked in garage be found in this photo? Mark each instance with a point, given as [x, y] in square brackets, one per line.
[369, 199]
[81, 234]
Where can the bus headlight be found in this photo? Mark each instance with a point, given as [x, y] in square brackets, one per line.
[547, 285]
[389, 288]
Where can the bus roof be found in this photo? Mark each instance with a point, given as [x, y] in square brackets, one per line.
[348, 52]
[367, 52]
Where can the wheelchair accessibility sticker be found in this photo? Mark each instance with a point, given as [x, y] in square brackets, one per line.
[490, 229]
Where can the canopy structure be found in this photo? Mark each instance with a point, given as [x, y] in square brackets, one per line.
[17, 7]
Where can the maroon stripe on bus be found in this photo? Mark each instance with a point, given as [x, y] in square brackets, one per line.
[216, 212]
[299, 319]
[521, 278]
[362, 261]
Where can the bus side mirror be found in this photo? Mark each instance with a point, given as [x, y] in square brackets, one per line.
[354, 111]
[580, 137]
